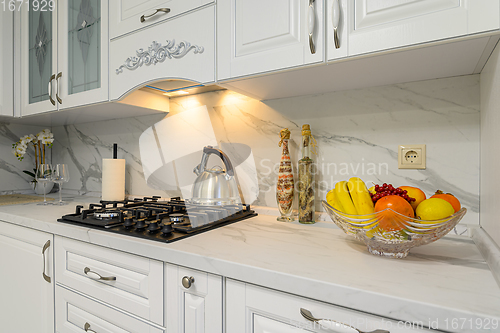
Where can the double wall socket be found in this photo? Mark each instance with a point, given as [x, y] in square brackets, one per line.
[411, 157]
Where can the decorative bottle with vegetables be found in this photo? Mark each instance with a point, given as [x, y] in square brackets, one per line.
[285, 186]
[306, 178]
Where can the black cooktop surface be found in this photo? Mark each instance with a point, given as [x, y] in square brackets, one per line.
[163, 221]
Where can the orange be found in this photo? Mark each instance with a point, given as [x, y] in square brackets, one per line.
[455, 203]
[389, 220]
[415, 193]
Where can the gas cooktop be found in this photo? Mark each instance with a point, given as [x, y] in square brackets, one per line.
[163, 221]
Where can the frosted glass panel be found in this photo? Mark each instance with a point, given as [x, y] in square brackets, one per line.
[84, 43]
[40, 54]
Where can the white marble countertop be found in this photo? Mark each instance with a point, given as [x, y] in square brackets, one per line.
[445, 280]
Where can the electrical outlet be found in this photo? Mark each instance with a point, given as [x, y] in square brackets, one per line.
[411, 157]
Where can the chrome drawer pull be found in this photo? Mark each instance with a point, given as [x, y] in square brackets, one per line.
[87, 328]
[57, 88]
[109, 278]
[311, 23]
[335, 22]
[50, 89]
[45, 247]
[187, 281]
[335, 325]
[163, 10]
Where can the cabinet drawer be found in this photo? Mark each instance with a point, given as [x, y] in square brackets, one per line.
[125, 15]
[138, 284]
[76, 313]
[182, 48]
[253, 309]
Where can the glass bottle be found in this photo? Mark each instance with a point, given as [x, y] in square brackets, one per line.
[285, 185]
[306, 178]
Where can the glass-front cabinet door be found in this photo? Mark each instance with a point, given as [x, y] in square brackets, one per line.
[65, 51]
[38, 63]
[82, 52]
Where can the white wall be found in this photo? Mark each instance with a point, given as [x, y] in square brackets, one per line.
[490, 149]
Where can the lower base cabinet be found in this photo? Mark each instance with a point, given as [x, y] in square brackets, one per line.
[27, 280]
[253, 309]
[76, 313]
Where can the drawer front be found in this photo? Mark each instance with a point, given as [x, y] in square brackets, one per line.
[129, 282]
[125, 15]
[76, 314]
[181, 48]
[253, 309]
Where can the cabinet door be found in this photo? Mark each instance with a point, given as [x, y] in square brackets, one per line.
[26, 294]
[82, 76]
[6, 63]
[256, 36]
[195, 307]
[379, 25]
[126, 15]
[39, 58]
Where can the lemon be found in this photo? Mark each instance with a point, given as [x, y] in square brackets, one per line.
[434, 209]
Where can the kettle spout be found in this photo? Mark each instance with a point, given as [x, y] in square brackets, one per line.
[196, 169]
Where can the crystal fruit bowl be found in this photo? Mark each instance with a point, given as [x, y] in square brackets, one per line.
[407, 232]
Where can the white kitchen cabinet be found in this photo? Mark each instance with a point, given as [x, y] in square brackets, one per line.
[27, 280]
[181, 48]
[257, 36]
[380, 25]
[123, 280]
[6, 63]
[77, 314]
[254, 309]
[193, 301]
[126, 16]
[64, 52]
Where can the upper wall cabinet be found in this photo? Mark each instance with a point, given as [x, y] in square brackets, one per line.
[130, 15]
[256, 36]
[64, 49]
[6, 63]
[179, 49]
[376, 25]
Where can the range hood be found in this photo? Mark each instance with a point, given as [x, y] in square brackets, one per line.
[176, 88]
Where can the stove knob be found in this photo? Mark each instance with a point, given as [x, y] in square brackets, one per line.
[187, 281]
[167, 229]
[153, 226]
[141, 224]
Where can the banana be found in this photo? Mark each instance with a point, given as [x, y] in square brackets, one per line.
[342, 195]
[332, 200]
[360, 196]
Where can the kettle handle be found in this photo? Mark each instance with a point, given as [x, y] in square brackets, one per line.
[208, 150]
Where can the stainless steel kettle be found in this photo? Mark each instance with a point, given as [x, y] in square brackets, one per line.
[215, 187]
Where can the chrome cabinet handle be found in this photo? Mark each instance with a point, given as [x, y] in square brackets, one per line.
[311, 22]
[164, 10]
[187, 281]
[50, 89]
[86, 327]
[87, 270]
[335, 22]
[57, 87]
[334, 325]
[45, 247]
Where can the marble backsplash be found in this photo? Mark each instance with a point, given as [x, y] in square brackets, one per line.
[357, 133]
